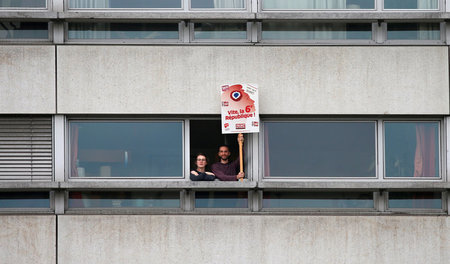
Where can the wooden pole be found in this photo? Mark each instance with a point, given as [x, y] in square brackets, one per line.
[241, 158]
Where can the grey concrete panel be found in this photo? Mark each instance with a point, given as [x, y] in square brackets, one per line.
[253, 239]
[27, 77]
[27, 239]
[292, 80]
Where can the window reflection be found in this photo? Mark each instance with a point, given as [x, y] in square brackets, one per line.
[221, 199]
[317, 200]
[232, 4]
[415, 200]
[411, 4]
[124, 199]
[23, 30]
[412, 149]
[125, 4]
[123, 31]
[24, 200]
[220, 31]
[126, 149]
[23, 3]
[319, 149]
[413, 31]
[318, 4]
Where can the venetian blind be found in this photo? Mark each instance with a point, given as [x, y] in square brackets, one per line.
[26, 148]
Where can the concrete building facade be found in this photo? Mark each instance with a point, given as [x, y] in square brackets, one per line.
[104, 104]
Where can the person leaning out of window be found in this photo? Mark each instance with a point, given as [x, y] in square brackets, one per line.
[200, 173]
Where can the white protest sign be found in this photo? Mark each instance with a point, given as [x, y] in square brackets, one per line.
[240, 110]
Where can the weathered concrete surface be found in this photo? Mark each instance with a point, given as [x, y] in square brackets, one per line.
[253, 239]
[27, 239]
[292, 80]
[27, 79]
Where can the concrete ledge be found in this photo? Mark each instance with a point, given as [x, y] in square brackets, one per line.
[80, 16]
[438, 16]
[28, 186]
[28, 16]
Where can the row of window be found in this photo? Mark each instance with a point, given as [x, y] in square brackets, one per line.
[224, 199]
[291, 149]
[233, 4]
[290, 31]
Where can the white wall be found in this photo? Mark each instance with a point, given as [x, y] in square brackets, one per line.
[253, 239]
[27, 239]
[27, 79]
[292, 80]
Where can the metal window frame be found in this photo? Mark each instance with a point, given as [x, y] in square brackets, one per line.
[34, 9]
[126, 210]
[309, 178]
[320, 209]
[261, 9]
[48, 40]
[192, 38]
[441, 144]
[67, 8]
[181, 28]
[361, 42]
[438, 9]
[417, 42]
[68, 176]
[442, 210]
[247, 7]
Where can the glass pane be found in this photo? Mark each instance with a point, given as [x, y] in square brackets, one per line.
[315, 31]
[126, 149]
[319, 149]
[123, 31]
[416, 31]
[220, 31]
[221, 199]
[24, 3]
[125, 4]
[317, 200]
[429, 200]
[411, 4]
[318, 4]
[24, 200]
[23, 30]
[412, 149]
[233, 4]
[124, 200]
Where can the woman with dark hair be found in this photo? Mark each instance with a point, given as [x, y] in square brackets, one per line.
[200, 173]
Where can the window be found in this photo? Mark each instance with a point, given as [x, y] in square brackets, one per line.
[315, 31]
[125, 4]
[26, 148]
[411, 4]
[221, 199]
[123, 31]
[411, 149]
[336, 200]
[319, 149]
[220, 31]
[415, 200]
[124, 199]
[24, 30]
[318, 4]
[413, 31]
[126, 149]
[23, 3]
[35, 200]
[218, 4]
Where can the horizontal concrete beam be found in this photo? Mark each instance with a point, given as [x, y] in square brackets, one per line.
[218, 185]
[180, 15]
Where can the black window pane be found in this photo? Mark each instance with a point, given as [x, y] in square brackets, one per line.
[413, 31]
[416, 200]
[24, 200]
[221, 199]
[124, 199]
[317, 200]
[319, 149]
[23, 30]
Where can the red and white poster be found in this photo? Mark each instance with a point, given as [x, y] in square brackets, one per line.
[240, 110]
